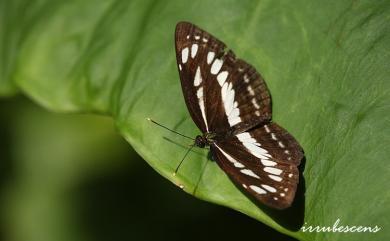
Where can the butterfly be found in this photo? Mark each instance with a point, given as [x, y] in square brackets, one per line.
[230, 103]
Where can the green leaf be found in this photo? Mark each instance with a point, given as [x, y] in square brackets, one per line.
[53, 155]
[325, 63]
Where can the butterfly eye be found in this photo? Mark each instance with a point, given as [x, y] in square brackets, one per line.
[200, 141]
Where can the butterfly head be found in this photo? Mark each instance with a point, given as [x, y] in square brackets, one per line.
[201, 141]
[205, 140]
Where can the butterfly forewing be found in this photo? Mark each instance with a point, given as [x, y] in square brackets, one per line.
[220, 90]
[264, 162]
[193, 48]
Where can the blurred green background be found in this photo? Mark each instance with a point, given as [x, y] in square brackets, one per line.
[74, 178]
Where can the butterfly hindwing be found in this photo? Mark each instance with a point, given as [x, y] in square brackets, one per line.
[255, 102]
[280, 144]
[264, 162]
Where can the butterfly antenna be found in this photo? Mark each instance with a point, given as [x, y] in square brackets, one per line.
[184, 157]
[154, 122]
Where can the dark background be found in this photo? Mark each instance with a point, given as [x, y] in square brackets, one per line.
[72, 177]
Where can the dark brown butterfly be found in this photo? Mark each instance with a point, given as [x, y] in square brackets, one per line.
[230, 103]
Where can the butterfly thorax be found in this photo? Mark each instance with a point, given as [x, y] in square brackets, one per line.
[204, 140]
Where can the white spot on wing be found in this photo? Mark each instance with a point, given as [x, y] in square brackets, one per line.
[199, 94]
[194, 50]
[273, 170]
[266, 129]
[257, 189]
[282, 194]
[198, 77]
[205, 39]
[243, 136]
[290, 175]
[231, 159]
[249, 173]
[234, 121]
[250, 90]
[275, 178]
[268, 188]
[210, 57]
[273, 136]
[226, 98]
[245, 186]
[238, 164]
[184, 55]
[255, 103]
[254, 147]
[180, 68]
[233, 113]
[216, 66]
[246, 79]
[222, 77]
[268, 162]
[281, 144]
[197, 37]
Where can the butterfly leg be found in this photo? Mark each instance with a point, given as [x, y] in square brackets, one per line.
[200, 177]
